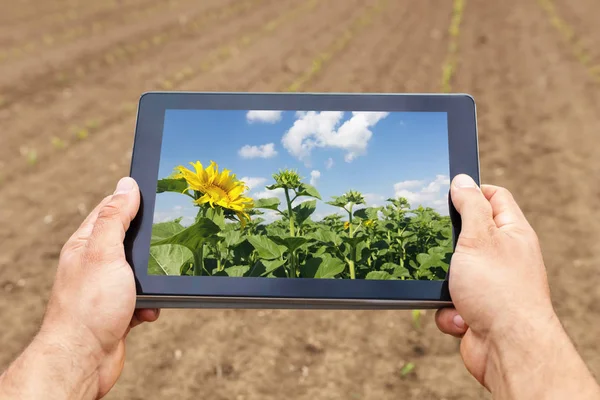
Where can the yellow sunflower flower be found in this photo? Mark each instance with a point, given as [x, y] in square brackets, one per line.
[369, 223]
[346, 225]
[217, 188]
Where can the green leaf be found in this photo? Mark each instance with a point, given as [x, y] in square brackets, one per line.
[320, 251]
[326, 236]
[338, 201]
[389, 265]
[164, 230]
[171, 185]
[168, 259]
[271, 266]
[401, 272]
[270, 203]
[304, 210]
[232, 238]
[266, 248]
[292, 243]
[353, 241]
[416, 318]
[216, 216]
[308, 190]
[379, 275]
[407, 369]
[323, 267]
[237, 270]
[203, 231]
[367, 213]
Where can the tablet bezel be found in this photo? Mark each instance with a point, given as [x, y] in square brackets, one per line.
[463, 156]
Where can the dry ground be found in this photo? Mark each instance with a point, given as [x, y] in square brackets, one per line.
[70, 75]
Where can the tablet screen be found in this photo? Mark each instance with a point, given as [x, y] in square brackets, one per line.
[303, 194]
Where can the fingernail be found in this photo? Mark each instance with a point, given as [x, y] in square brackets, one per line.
[464, 181]
[125, 185]
[458, 321]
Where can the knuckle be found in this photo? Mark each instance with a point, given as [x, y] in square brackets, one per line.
[69, 253]
[504, 192]
[110, 210]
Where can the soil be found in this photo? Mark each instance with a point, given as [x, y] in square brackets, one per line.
[72, 71]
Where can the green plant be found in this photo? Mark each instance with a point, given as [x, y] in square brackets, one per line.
[229, 236]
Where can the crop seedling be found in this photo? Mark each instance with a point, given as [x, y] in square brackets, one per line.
[31, 157]
[58, 143]
[230, 237]
[82, 134]
[407, 369]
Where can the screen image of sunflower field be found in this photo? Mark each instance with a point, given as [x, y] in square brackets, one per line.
[303, 194]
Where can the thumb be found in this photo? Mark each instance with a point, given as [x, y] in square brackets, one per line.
[113, 220]
[474, 209]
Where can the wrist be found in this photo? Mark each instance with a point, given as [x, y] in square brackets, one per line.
[57, 364]
[534, 358]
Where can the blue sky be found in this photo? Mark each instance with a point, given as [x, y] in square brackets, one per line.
[379, 154]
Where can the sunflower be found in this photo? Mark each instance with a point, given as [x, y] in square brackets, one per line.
[369, 223]
[346, 225]
[217, 188]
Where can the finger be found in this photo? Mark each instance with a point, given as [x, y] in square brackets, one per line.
[144, 315]
[450, 322]
[505, 210]
[85, 229]
[148, 314]
[475, 210]
[113, 220]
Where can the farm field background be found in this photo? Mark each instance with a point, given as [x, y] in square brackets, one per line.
[71, 72]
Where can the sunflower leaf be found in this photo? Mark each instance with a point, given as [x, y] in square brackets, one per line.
[171, 185]
[270, 203]
[193, 237]
[237, 270]
[308, 190]
[168, 259]
[323, 267]
[271, 265]
[304, 210]
[292, 243]
[379, 275]
[266, 248]
[163, 230]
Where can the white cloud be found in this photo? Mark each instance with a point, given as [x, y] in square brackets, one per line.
[432, 194]
[253, 182]
[318, 129]
[186, 214]
[408, 185]
[262, 151]
[265, 194]
[314, 177]
[265, 116]
[329, 163]
[374, 200]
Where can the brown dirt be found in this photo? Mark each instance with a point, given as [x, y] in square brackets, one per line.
[538, 117]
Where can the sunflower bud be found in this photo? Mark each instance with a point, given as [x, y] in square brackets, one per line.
[287, 179]
[354, 197]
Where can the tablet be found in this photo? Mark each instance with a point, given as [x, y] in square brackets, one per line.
[285, 200]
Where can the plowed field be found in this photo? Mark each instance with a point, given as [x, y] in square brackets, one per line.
[71, 72]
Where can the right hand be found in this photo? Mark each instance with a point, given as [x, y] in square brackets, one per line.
[497, 278]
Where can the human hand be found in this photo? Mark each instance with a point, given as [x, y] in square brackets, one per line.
[91, 307]
[503, 310]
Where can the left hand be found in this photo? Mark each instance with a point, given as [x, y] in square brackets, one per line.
[92, 305]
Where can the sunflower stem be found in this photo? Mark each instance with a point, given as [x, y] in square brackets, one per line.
[290, 215]
[199, 261]
[352, 262]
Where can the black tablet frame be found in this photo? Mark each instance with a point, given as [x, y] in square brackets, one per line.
[463, 149]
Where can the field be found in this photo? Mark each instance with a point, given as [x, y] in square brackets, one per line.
[72, 71]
